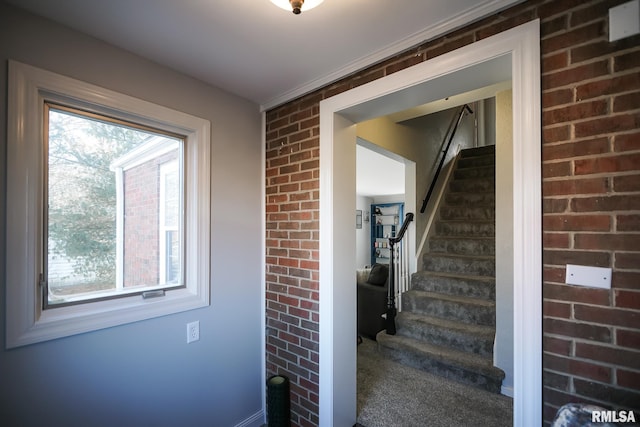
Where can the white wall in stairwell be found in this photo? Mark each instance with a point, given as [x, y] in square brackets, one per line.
[503, 351]
[432, 131]
[405, 145]
[363, 235]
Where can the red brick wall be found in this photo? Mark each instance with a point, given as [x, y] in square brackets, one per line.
[141, 222]
[591, 199]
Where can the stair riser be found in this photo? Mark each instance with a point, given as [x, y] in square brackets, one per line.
[424, 362]
[445, 337]
[465, 229]
[459, 265]
[477, 172]
[480, 185]
[482, 247]
[450, 310]
[476, 161]
[462, 212]
[455, 286]
[470, 199]
[486, 150]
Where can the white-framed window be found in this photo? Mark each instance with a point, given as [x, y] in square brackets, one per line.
[81, 254]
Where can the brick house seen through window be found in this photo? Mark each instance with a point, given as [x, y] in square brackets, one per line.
[114, 211]
[148, 220]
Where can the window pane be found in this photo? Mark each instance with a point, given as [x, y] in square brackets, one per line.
[171, 182]
[104, 208]
[173, 257]
[169, 221]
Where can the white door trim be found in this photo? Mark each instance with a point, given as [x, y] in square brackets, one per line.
[520, 47]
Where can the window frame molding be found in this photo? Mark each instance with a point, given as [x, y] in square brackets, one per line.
[26, 320]
[165, 169]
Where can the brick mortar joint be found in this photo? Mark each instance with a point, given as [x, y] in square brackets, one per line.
[575, 214]
[608, 115]
[607, 98]
[301, 299]
[593, 305]
[613, 381]
[579, 340]
[581, 83]
[588, 177]
[576, 140]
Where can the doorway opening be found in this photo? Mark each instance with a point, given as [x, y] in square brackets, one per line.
[398, 371]
[382, 200]
[513, 55]
[380, 178]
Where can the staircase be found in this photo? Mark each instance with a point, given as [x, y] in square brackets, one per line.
[447, 322]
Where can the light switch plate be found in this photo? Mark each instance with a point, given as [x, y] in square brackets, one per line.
[595, 277]
[624, 20]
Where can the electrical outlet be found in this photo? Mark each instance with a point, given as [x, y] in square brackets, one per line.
[193, 331]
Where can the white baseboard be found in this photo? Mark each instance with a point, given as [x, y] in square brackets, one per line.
[507, 391]
[255, 420]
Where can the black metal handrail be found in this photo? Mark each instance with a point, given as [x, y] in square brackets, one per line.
[391, 296]
[444, 155]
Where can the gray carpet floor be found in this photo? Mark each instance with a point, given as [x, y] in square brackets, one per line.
[393, 395]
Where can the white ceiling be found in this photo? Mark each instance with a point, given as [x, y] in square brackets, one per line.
[256, 50]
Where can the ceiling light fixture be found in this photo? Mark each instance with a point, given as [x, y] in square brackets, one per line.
[297, 6]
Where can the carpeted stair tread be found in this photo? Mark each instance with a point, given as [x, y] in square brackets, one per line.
[475, 172]
[462, 246]
[461, 264]
[483, 331]
[452, 307]
[460, 366]
[393, 394]
[466, 228]
[455, 284]
[470, 199]
[468, 213]
[458, 358]
[452, 298]
[477, 339]
[472, 185]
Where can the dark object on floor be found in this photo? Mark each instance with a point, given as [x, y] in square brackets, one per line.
[578, 415]
[372, 285]
[278, 402]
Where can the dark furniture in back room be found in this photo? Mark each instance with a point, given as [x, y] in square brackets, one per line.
[372, 285]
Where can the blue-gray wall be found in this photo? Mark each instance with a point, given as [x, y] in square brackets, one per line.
[144, 374]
